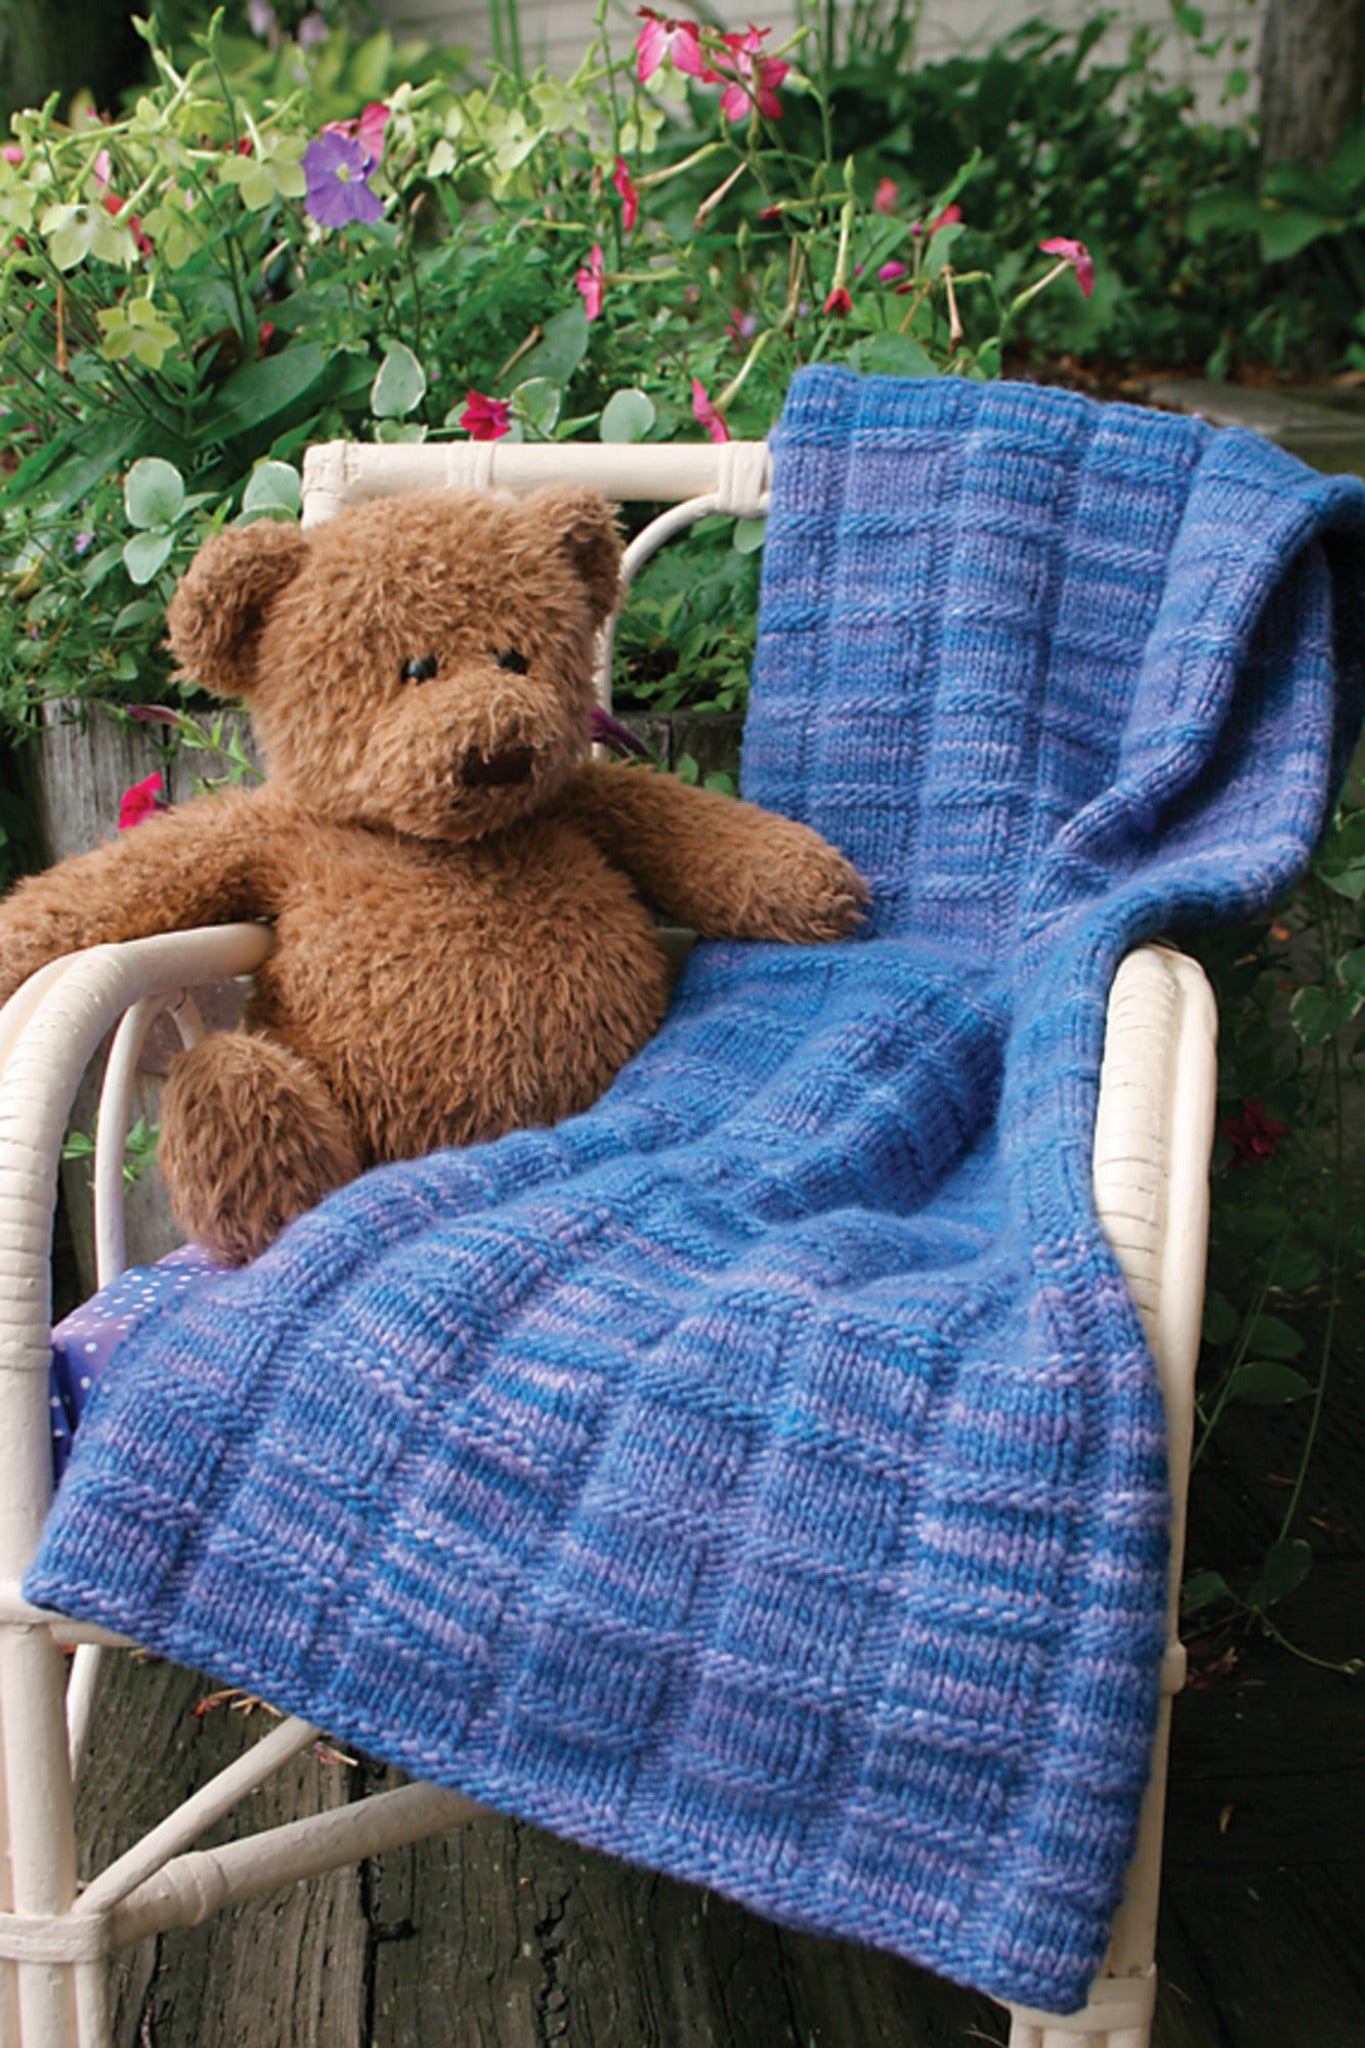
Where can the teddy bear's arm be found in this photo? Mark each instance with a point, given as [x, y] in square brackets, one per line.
[726, 868]
[207, 863]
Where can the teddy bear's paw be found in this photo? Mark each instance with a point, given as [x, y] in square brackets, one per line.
[811, 894]
[250, 1139]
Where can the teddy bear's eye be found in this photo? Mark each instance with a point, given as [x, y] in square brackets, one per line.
[513, 659]
[420, 669]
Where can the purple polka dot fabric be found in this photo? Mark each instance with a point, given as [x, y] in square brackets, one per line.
[84, 1341]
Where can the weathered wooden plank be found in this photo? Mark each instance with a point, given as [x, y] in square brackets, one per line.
[500, 1936]
[1273, 1961]
[1186, 2014]
[287, 1971]
[457, 1953]
[1268, 1763]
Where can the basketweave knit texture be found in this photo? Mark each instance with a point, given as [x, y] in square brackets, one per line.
[761, 1476]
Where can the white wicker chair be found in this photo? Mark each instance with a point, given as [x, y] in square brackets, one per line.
[1152, 1146]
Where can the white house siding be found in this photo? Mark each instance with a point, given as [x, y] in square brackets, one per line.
[556, 32]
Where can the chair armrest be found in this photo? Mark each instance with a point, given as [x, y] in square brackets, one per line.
[48, 1033]
[1153, 1139]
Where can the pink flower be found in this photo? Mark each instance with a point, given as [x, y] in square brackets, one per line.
[885, 196]
[1078, 256]
[630, 198]
[840, 301]
[741, 326]
[678, 40]
[140, 802]
[12, 153]
[485, 419]
[949, 217]
[592, 283]
[367, 129]
[889, 272]
[756, 77]
[1253, 1136]
[703, 410]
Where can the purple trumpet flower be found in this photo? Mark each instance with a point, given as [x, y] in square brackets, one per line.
[337, 170]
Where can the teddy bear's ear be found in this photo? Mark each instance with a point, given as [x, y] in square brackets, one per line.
[222, 600]
[583, 525]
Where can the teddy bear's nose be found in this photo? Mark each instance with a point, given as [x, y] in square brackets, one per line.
[501, 769]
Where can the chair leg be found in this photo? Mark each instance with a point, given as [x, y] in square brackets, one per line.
[1118, 2014]
[41, 1827]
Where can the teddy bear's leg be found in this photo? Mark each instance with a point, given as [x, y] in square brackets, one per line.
[250, 1138]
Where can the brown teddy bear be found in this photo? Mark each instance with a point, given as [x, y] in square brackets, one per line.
[461, 896]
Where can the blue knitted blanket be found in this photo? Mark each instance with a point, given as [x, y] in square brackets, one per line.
[761, 1476]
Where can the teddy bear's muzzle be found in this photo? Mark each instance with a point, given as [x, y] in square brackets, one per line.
[501, 769]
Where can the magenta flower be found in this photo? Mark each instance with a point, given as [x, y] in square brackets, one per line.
[888, 272]
[1078, 256]
[337, 170]
[756, 77]
[141, 801]
[592, 283]
[1254, 1136]
[885, 196]
[703, 410]
[630, 198]
[484, 418]
[12, 153]
[679, 41]
[840, 301]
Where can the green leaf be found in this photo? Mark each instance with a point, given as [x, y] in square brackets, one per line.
[1221, 1320]
[537, 404]
[400, 430]
[1296, 1266]
[894, 355]
[627, 415]
[1351, 968]
[1267, 1384]
[940, 248]
[96, 455]
[400, 383]
[1236, 211]
[1348, 882]
[274, 490]
[748, 536]
[561, 348]
[1201, 1589]
[153, 495]
[1275, 1339]
[1317, 1014]
[1288, 229]
[369, 67]
[135, 614]
[144, 554]
[260, 391]
[1287, 1565]
[97, 568]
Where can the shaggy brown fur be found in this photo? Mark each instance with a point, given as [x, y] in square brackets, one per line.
[461, 897]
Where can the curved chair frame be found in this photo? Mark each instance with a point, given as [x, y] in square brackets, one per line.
[1152, 1142]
